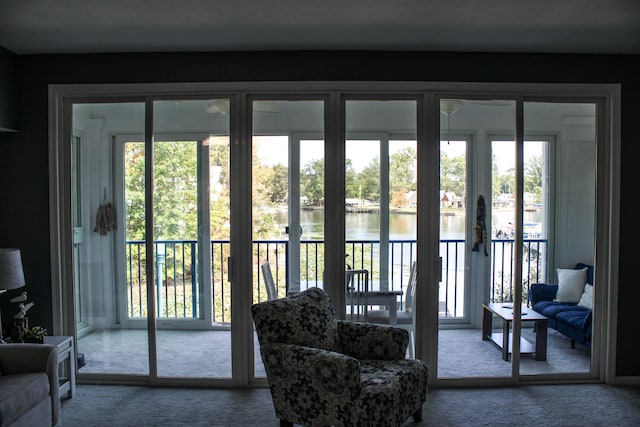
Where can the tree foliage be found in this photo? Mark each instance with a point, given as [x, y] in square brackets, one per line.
[402, 167]
[505, 183]
[368, 181]
[533, 177]
[453, 174]
[312, 181]
[175, 194]
[134, 190]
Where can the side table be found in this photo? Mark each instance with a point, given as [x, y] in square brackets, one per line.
[67, 363]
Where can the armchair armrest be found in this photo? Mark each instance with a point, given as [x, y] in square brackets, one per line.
[372, 341]
[334, 373]
[24, 358]
[542, 292]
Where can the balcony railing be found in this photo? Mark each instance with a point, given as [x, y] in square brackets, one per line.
[179, 293]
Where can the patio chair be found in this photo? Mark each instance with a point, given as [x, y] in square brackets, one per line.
[323, 371]
[269, 284]
[406, 319]
[357, 287]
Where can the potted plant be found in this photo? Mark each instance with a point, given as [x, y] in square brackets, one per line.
[34, 334]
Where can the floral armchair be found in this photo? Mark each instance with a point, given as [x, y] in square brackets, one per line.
[327, 372]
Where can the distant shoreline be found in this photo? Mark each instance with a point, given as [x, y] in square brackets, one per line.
[409, 211]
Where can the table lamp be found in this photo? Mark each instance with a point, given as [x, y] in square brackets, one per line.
[11, 274]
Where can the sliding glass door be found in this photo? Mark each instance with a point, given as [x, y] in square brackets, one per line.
[106, 297]
[381, 197]
[530, 220]
[187, 299]
[467, 340]
[559, 233]
[287, 199]
[191, 224]
[182, 208]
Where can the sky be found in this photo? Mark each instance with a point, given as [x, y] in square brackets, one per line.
[273, 150]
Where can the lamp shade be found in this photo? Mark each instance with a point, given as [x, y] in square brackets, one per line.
[11, 273]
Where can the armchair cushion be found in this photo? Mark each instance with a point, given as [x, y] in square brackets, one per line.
[308, 383]
[299, 319]
[389, 391]
[371, 341]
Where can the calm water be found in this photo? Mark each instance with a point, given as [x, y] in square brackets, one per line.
[366, 226]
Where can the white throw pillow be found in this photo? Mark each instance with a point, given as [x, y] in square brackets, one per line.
[570, 284]
[586, 300]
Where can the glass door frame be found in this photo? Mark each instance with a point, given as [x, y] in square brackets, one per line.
[605, 196]
[295, 169]
[607, 232]
[471, 155]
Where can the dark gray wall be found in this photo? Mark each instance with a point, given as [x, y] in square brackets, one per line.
[8, 90]
[24, 220]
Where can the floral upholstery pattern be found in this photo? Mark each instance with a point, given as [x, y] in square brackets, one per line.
[327, 372]
[300, 319]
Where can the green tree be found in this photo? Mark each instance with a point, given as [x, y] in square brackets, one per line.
[278, 184]
[264, 217]
[495, 183]
[134, 190]
[175, 181]
[507, 182]
[402, 170]
[351, 179]
[533, 177]
[219, 181]
[453, 173]
[369, 181]
[174, 194]
[312, 181]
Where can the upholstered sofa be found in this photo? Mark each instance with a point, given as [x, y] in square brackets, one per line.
[29, 394]
[571, 316]
[327, 372]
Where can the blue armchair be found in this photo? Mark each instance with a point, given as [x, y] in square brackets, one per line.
[327, 372]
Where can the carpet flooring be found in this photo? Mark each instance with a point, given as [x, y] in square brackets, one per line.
[538, 405]
[463, 354]
[207, 354]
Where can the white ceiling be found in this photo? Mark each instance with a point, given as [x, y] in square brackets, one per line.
[84, 26]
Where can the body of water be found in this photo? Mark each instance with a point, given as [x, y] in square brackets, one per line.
[402, 226]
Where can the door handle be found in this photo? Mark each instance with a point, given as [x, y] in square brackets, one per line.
[230, 269]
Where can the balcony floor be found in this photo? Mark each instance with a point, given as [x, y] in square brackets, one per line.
[207, 354]
[462, 353]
